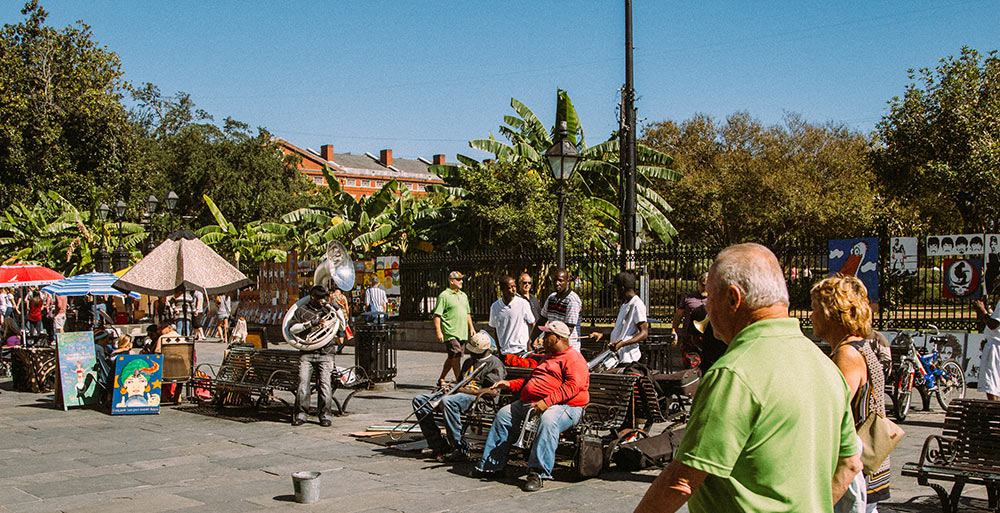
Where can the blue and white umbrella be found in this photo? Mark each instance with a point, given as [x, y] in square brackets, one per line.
[97, 284]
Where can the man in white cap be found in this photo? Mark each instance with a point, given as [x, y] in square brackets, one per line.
[488, 369]
[557, 390]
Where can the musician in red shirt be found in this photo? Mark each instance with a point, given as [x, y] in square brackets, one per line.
[557, 391]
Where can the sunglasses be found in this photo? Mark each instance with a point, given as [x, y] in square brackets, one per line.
[525, 282]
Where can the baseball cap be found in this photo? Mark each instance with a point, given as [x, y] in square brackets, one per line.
[558, 328]
[455, 275]
[478, 344]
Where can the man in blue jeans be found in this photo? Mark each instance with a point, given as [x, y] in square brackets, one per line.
[557, 390]
[488, 369]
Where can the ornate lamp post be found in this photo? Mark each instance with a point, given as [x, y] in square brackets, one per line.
[151, 204]
[102, 259]
[120, 258]
[171, 205]
[562, 157]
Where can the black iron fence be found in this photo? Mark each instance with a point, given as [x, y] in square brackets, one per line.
[906, 301]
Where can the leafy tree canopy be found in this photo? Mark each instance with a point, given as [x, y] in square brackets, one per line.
[939, 147]
[744, 181]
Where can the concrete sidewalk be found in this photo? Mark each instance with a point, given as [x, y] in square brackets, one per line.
[88, 461]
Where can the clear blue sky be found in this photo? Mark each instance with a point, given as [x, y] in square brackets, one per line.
[424, 77]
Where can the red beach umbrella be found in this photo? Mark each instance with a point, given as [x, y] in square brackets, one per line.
[26, 275]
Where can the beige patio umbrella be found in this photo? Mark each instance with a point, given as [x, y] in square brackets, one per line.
[182, 262]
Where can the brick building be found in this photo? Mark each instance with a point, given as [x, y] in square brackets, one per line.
[362, 175]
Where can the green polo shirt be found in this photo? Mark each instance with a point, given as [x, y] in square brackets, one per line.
[453, 309]
[768, 424]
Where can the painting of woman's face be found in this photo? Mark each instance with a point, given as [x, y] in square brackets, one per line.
[135, 385]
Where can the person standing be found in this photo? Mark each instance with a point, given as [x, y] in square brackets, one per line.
[511, 319]
[306, 318]
[59, 320]
[35, 304]
[453, 324]
[524, 290]
[631, 326]
[198, 317]
[375, 296]
[564, 306]
[7, 303]
[770, 427]
[223, 310]
[690, 308]
[989, 363]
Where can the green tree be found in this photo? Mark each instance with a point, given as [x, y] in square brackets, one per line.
[938, 148]
[62, 125]
[744, 181]
[255, 241]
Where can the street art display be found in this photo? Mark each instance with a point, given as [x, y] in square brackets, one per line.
[903, 255]
[956, 245]
[963, 278]
[77, 369]
[858, 258]
[137, 385]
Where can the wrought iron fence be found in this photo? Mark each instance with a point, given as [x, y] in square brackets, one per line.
[905, 301]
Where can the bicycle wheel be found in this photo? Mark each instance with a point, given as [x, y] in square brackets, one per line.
[951, 384]
[903, 391]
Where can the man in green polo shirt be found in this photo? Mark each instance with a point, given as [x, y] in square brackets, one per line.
[453, 324]
[771, 427]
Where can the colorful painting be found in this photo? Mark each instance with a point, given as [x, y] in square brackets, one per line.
[903, 256]
[963, 278]
[971, 244]
[387, 268]
[77, 368]
[858, 258]
[137, 384]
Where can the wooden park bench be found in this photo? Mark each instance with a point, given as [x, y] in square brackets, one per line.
[967, 452]
[246, 373]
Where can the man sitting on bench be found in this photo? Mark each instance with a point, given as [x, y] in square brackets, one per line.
[557, 391]
[488, 369]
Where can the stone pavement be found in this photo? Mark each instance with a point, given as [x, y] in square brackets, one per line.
[88, 461]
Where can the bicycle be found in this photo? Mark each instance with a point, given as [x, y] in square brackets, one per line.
[945, 380]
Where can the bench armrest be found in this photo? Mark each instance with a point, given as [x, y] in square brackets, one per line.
[937, 450]
[212, 368]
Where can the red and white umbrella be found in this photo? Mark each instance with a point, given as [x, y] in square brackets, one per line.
[27, 275]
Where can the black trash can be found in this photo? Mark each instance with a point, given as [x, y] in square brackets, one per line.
[374, 350]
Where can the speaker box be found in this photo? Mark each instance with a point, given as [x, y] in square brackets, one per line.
[178, 360]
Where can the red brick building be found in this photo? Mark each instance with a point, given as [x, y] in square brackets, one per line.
[362, 175]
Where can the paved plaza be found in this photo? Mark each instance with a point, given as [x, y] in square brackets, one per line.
[181, 460]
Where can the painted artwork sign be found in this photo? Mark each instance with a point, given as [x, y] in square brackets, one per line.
[963, 278]
[903, 256]
[858, 258]
[77, 368]
[137, 384]
[970, 244]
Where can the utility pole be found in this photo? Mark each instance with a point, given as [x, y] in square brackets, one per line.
[627, 153]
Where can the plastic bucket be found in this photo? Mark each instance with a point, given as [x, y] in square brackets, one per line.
[306, 486]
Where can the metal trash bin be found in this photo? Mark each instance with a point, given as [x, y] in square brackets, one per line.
[374, 350]
[658, 353]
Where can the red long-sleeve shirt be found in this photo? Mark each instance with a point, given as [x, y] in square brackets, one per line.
[562, 378]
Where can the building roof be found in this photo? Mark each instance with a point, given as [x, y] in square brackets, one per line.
[368, 165]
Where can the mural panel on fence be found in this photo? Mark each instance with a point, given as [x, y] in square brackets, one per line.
[137, 384]
[969, 244]
[77, 368]
[858, 258]
[963, 278]
[903, 255]
[964, 348]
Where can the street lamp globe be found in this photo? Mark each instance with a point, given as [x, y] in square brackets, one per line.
[172, 200]
[103, 210]
[120, 207]
[563, 155]
[151, 204]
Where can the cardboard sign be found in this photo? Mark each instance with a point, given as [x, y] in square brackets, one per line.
[77, 369]
[137, 384]
[963, 278]
[858, 258]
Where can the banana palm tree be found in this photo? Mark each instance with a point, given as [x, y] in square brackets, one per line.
[256, 241]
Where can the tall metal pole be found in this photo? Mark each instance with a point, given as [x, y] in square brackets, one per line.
[627, 151]
[561, 249]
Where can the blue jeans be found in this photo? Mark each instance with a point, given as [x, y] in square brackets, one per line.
[452, 407]
[554, 421]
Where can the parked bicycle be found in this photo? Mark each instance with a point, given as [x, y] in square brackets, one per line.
[924, 370]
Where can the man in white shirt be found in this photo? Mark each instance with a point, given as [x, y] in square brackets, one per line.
[511, 318]
[375, 296]
[631, 327]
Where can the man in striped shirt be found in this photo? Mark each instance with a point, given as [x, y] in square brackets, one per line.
[563, 305]
[375, 297]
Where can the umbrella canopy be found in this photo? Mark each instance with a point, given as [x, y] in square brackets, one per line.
[97, 284]
[182, 262]
[26, 275]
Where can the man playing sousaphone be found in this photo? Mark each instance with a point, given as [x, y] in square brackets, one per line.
[485, 369]
[307, 317]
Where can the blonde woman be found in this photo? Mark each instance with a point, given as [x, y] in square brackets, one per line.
[841, 315]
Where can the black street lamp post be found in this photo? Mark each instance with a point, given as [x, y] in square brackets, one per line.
[562, 157]
[121, 256]
[171, 206]
[102, 259]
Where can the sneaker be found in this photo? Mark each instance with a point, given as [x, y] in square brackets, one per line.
[479, 473]
[298, 422]
[533, 483]
[456, 456]
[325, 423]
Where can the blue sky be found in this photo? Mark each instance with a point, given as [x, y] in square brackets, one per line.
[424, 77]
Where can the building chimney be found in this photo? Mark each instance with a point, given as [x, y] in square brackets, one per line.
[439, 160]
[326, 151]
[385, 157]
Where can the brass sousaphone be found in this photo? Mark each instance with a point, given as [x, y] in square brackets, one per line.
[337, 269]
